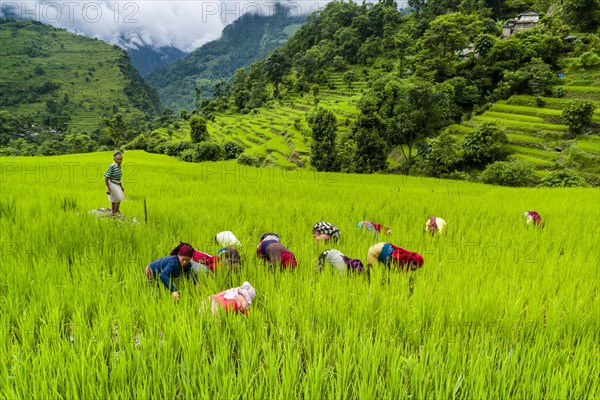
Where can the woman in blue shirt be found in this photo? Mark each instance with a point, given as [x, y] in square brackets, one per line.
[173, 266]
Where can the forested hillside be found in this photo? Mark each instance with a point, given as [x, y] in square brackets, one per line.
[55, 83]
[496, 92]
[453, 90]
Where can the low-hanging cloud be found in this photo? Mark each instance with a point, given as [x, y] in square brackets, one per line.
[185, 25]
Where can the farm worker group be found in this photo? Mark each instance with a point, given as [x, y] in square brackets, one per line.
[188, 261]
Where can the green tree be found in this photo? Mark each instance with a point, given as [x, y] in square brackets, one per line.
[443, 156]
[536, 77]
[589, 60]
[78, 143]
[578, 116]
[276, 66]
[584, 14]
[348, 43]
[197, 97]
[198, 129]
[349, 77]
[368, 131]
[166, 118]
[402, 42]
[240, 89]
[115, 128]
[324, 132]
[483, 44]
[346, 150]
[209, 151]
[411, 110]
[484, 145]
[232, 150]
[442, 42]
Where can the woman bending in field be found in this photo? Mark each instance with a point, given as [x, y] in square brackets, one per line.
[435, 224]
[533, 218]
[374, 227]
[339, 261]
[114, 186]
[271, 250]
[174, 265]
[227, 238]
[392, 255]
[236, 299]
[324, 231]
[227, 256]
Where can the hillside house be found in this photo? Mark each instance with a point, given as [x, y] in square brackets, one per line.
[522, 22]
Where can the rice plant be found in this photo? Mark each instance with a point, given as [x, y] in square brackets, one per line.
[499, 310]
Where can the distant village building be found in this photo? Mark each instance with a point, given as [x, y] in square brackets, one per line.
[524, 21]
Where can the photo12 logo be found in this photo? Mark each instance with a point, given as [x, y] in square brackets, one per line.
[53, 172]
[69, 12]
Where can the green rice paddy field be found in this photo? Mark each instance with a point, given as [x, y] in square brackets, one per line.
[498, 311]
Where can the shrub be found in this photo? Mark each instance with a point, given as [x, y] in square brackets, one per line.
[508, 173]
[559, 92]
[209, 151]
[187, 155]
[588, 60]
[247, 159]
[175, 148]
[140, 142]
[156, 145]
[563, 178]
[577, 115]
[539, 101]
[232, 150]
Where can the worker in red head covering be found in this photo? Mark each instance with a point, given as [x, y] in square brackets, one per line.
[172, 266]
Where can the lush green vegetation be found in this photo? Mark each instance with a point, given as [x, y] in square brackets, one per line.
[53, 81]
[498, 310]
[395, 83]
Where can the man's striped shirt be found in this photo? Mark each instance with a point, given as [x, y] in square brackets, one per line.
[114, 173]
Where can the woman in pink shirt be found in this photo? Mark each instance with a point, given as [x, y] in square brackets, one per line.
[236, 299]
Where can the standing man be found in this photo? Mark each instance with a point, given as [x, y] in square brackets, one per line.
[114, 187]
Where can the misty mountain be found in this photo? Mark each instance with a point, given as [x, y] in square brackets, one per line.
[146, 59]
[249, 38]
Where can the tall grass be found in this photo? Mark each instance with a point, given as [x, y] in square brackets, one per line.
[497, 311]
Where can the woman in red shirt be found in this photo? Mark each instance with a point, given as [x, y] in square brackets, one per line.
[236, 299]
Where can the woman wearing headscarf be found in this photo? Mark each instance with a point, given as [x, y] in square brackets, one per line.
[391, 255]
[271, 250]
[227, 238]
[227, 256]
[533, 218]
[325, 231]
[435, 225]
[339, 261]
[374, 227]
[172, 266]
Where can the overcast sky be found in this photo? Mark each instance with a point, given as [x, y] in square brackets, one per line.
[186, 25]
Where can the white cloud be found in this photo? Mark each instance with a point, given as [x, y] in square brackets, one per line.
[183, 24]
